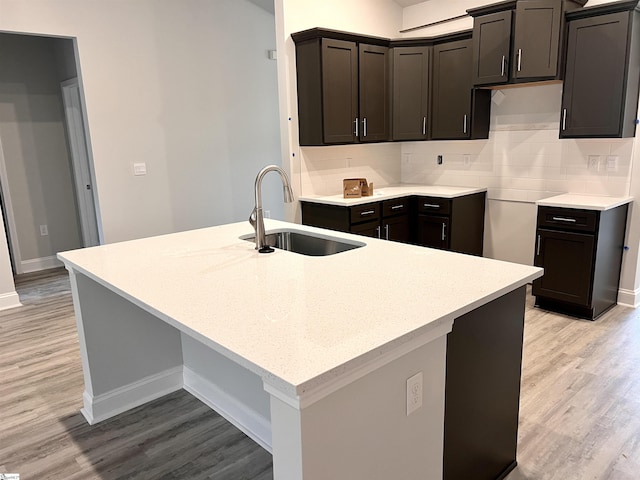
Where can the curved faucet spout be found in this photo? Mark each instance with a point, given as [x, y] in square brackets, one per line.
[256, 218]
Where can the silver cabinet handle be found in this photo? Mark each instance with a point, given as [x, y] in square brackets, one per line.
[432, 205]
[378, 230]
[364, 127]
[368, 212]
[503, 66]
[356, 123]
[562, 219]
[519, 59]
[538, 248]
[386, 231]
[396, 207]
[464, 126]
[443, 227]
[424, 125]
[564, 119]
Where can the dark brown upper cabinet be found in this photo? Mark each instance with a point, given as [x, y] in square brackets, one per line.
[519, 41]
[411, 89]
[600, 95]
[343, 88]
[457, 110]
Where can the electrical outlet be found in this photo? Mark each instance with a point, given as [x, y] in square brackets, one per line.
[612, 163]
[439, 160]
[467, 160]
[267, 214]
[414, 393]
[139, 169]
[593, 162]
[44, 230]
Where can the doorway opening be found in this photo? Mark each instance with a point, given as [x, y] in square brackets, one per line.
[47, 192]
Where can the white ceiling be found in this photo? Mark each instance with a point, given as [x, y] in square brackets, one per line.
[268, 4]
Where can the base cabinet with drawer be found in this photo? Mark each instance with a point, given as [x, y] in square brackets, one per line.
[455, 224]
[387, 219]
[581, 253]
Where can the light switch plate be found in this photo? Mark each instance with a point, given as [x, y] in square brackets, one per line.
[139, 168]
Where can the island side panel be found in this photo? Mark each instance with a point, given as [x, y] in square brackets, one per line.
[129, 356]
[230, 389]
[484, 361]
[362, 430]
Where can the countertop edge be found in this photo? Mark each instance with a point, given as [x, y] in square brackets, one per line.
[589, 203]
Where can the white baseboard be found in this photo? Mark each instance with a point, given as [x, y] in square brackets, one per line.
[254, 425]
[42, 263]
[629, 298]
[107, 405]
[9, 300]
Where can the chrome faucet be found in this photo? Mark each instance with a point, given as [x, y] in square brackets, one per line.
[256, 219]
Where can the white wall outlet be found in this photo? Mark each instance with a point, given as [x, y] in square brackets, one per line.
[44, 230]
[612, 163]
[466, 159]
[414, 393]
[139, 169]
[267, 214]
[593, 162]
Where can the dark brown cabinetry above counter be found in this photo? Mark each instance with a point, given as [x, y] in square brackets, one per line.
[581, 253]
[353, 89]
[343, 88]
[519, 41]
[455, 224]
[602, 79]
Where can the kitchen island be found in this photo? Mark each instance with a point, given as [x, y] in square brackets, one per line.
[309, 356]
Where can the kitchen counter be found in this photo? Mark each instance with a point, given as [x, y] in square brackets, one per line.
[395, 191]
[267, 339]
[584, 202]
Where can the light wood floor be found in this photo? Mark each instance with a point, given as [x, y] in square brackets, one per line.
[579, 419]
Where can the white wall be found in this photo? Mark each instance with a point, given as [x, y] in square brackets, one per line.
[185, 87]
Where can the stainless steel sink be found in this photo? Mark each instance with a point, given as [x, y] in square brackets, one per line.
[306, 243]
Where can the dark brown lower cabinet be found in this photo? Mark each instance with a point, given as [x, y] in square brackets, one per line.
[455, 224]
[581, 253]
[482, 390]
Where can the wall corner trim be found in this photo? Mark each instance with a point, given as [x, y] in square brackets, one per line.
[9, 300]
[629, 298]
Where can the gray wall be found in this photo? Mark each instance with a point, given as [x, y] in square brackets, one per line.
[35, 146]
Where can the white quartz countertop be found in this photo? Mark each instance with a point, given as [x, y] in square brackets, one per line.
[294, 319]
[387, 193]
[584, 202]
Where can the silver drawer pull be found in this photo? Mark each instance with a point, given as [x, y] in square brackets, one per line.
[562, 219]
[538, 249]
[368, 212]
[432, 205]
[396, 207]
[443, 227]
[386, 231]
[378, 230]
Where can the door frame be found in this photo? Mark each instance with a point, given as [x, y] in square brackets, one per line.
[79, 153]
[9, 217]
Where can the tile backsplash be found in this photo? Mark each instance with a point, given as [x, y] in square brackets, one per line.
[523, 159]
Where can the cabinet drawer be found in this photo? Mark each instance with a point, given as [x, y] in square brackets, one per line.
[395, 206]
[439, 206]
[365, 213]
[568, 219]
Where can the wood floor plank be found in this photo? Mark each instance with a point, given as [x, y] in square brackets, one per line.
[579, 409]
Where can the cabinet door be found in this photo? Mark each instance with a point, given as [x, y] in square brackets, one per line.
[339, 90]
[375, 97]
[410, 92]
[433, 231]
[567, 259]
[595, 77]
[397, 229]
[368, 229]
[537, 39]
[491, 48]
[451, 114]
